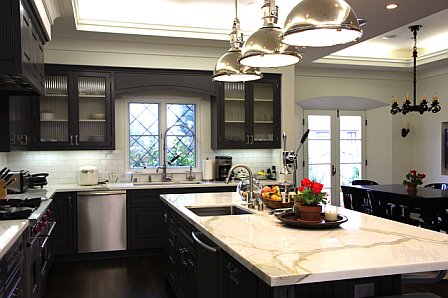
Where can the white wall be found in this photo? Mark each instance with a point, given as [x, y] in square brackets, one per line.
[427, 127]
[388, 154]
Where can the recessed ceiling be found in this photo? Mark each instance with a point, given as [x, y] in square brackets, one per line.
[212, 20]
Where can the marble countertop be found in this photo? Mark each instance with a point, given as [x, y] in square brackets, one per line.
[10, 231]
[364, 246]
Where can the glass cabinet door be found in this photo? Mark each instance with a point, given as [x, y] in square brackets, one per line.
[234, 113]
[54, 119]
[263, 112]
[92, 102]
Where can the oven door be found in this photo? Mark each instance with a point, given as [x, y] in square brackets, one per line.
[39, 261]
[34, 268]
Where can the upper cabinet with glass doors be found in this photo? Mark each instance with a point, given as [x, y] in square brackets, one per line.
[247, 115]
[76, 111]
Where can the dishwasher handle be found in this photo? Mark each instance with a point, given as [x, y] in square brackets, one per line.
[198, 241]
[101, 193]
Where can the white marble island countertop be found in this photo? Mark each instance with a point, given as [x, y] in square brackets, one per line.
[364, 246]
[10, 231]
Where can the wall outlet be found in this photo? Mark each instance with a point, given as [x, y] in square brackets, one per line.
[364, 290]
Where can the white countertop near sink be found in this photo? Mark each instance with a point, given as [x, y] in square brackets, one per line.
[364, 246]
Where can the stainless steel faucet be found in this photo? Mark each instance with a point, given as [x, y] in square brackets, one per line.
[250, 200]
[165, 162]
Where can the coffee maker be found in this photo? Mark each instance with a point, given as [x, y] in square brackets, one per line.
[222, 166]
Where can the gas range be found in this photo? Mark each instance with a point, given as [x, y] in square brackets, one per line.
[18, 209]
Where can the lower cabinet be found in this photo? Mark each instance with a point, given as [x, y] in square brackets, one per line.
[12, 282]
[192, 261]
[64, 241]
[144, 219]
[144, 214]
[237, 281]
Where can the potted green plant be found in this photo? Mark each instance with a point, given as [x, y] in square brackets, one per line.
[413, 179]
[309, 200]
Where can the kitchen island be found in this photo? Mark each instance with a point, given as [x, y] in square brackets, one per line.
[363, 247]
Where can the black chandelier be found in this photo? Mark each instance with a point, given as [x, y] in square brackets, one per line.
[423, 106]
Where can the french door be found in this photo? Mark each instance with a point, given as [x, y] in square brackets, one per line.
[334, 152]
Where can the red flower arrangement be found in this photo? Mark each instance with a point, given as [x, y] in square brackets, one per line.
[414, 177]
[310, 192]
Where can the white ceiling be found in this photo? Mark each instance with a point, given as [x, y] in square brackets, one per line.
[211, 21]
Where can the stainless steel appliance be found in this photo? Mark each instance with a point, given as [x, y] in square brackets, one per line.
[222, 166]
[21, 183]
[101, 221]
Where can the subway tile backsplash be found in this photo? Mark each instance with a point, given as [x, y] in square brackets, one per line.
[63, 166]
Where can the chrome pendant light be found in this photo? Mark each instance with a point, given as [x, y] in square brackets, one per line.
[321, 23]
[228, 69]
[265, 48]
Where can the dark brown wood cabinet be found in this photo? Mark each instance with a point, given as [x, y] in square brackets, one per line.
[12, 264]
[16, 122]
[64, 240]
[21, 49]
[247, 115]
[77, 110]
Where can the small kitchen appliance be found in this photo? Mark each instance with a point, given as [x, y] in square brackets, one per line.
[21, 183]
[88, 175]
[222, 167]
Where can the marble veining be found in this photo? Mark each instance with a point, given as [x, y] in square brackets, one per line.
[363, 246]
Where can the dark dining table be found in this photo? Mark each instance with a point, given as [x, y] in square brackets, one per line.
[430, 203]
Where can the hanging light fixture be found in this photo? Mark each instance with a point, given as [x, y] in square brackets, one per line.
[228, 69]
[321, 23]
[265, 48]
[423, 106]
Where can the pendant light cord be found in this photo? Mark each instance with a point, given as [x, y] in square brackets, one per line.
[414, 55]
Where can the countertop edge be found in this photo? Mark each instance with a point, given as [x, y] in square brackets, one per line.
[10, 239]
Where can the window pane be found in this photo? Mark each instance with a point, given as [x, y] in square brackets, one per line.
[181, 134]
[350, 127]
[143, 135]
[319, 151]
[350, 172]
[350, 151]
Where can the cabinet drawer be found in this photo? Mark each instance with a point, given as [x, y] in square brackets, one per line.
[14, 257]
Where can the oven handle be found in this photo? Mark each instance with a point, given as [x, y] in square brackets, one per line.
[47, 236]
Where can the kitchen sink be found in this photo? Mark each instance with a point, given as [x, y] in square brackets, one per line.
[165, 182]
[219, 210]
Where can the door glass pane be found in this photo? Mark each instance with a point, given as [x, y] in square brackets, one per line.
[350, 143]
[92, 109]
[54, 110]
[263, 112]
[319, 150]
[234, 112]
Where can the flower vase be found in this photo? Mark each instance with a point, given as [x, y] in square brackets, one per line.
[411, 187]
[310, 213]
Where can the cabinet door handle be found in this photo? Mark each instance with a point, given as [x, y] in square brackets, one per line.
[198, 241]
[70, 202]
[71, 140]
[251, 139]
[247, 139]
[165, 218]
[76, 140]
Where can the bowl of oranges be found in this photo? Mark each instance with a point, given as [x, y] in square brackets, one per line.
[272, 198]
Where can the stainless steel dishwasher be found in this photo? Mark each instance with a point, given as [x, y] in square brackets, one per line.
[101, 221]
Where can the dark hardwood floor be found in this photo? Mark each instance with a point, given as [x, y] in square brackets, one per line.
[440, 288]
[139, 277]
[112, 278]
